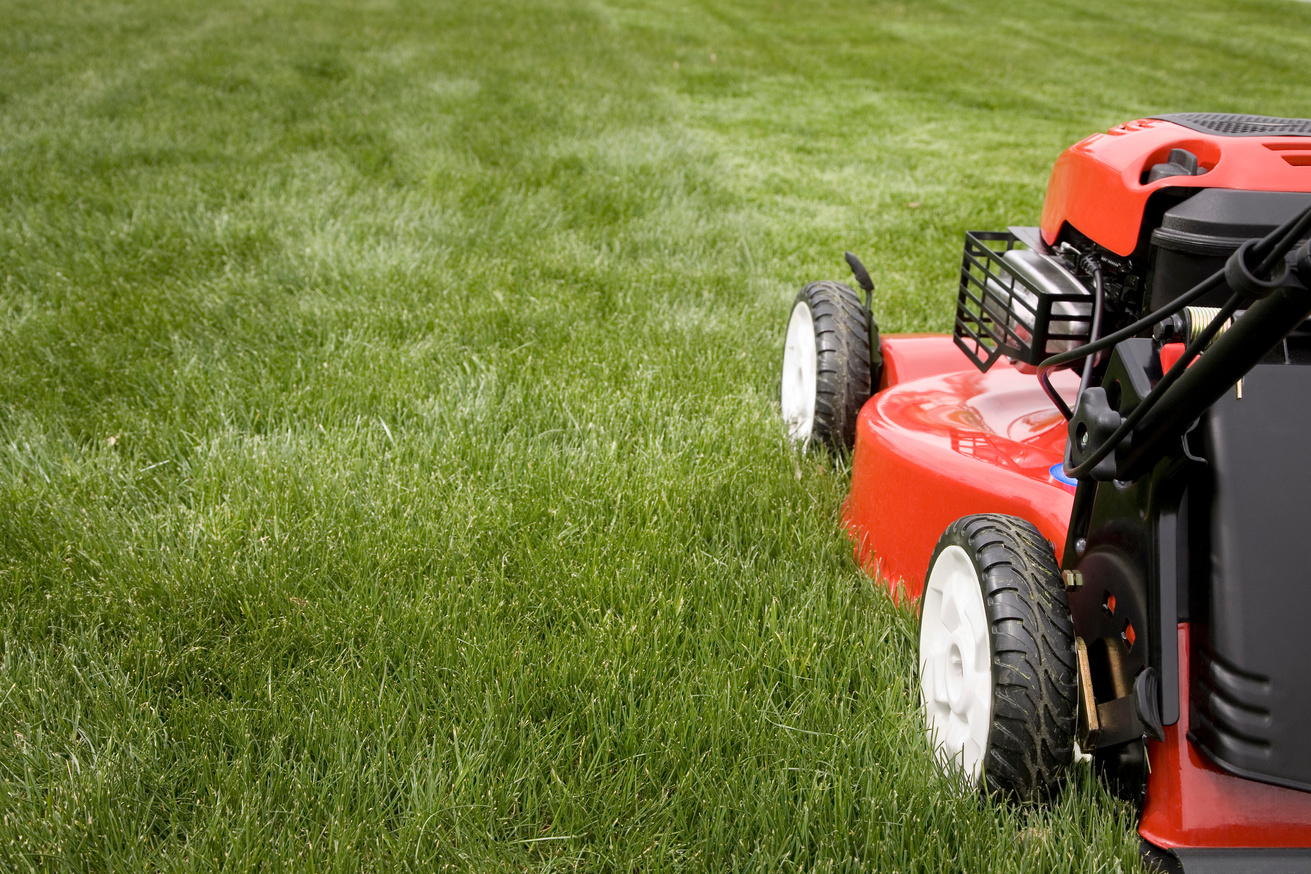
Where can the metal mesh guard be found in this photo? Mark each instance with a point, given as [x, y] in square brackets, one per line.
[999, 312]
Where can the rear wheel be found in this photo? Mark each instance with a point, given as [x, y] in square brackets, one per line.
[826, 365]
[997, 664]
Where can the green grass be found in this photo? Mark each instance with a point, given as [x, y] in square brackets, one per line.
[390, 475]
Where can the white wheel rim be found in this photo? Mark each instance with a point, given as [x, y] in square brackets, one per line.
[799, 374]
[956, 664]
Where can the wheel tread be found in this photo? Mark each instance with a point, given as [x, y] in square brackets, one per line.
[1031, 740]
[844, 380]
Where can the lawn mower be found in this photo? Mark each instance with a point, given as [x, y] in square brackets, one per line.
[1094, 486]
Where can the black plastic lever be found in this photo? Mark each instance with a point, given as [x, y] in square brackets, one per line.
[858, 270]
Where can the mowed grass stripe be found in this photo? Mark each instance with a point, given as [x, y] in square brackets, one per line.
[391, 477]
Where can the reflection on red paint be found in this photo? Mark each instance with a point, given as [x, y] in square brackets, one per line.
[941, 441]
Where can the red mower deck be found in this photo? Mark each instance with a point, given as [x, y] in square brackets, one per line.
[942, 440]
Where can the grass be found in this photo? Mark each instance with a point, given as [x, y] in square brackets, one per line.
[390, 472]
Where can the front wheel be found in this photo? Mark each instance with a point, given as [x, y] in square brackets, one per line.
[827, 375]
[996, 651]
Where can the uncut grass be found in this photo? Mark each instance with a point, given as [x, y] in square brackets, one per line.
[391, 474]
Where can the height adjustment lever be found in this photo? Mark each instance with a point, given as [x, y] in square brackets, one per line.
[875, 350]
[858, 270]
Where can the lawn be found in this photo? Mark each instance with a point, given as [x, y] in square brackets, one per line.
[390, 469]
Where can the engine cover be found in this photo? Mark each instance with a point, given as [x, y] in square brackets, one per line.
[1100, 186]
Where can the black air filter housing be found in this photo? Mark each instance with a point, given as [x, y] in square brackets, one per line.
[1197, 236]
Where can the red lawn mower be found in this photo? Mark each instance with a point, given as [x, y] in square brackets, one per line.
[1097, 485]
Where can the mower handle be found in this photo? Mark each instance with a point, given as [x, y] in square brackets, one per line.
[1195, 382]
[1264, 325]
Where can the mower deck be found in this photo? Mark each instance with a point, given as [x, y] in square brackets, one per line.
[939, 441]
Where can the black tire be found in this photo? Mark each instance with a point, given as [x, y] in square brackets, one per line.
[1029, 742]
[825, 407]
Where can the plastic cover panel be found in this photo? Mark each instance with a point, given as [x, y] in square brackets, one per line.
[1251, 678]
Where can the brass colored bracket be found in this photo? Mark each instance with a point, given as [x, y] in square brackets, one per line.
[1089, 726]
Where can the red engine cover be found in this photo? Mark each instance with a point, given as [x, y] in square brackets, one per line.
[1096, 186]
